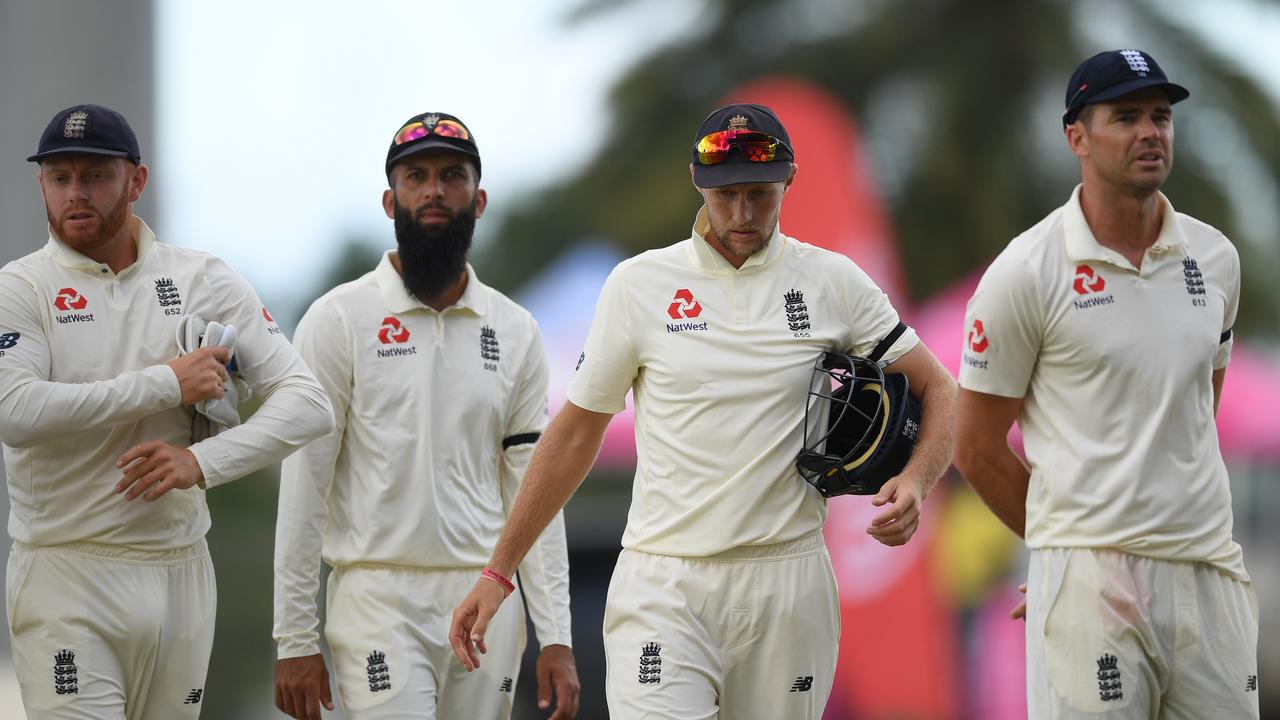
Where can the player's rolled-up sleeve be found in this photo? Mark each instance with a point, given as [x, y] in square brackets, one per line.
[544, 572]
[609, 362]
[306, 478]
[1003, 329]
[35, 410]
[295, 409]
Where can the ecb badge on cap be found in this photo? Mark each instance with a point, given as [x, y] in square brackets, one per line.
[741, 143]
[1114, 74]
[74, 127]
[88, 130]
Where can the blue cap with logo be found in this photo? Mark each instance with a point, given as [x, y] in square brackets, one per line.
[741, 143]
[91, 130]
[1112, 74]
[432, 130]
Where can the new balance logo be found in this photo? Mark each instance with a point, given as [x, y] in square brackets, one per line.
[803, 683]
[193, 697]
[1251, 683]
[167, 293]
[505, 686]
[65, 675]
[651, 664]
[8, 340]
[379, 673]
[1109, 679]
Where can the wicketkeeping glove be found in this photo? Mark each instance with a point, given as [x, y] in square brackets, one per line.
[216, 414]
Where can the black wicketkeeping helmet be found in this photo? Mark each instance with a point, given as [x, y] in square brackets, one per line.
[860, 426]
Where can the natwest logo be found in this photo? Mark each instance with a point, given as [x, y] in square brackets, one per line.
[977, 338]
[392, 331]
[684, 306]
[272, 327]
[69, 299]
[1087, 281]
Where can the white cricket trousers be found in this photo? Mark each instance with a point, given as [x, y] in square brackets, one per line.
[749, 634]
[104, 632]
[1115, 635]
[388, 631]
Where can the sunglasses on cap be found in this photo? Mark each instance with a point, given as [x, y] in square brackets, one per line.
[755, 145]
[417, 130]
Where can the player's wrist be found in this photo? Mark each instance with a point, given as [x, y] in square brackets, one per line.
[499, 579]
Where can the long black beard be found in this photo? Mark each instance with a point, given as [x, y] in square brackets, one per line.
[432, 258]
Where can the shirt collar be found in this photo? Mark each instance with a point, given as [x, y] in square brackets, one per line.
[1082, 245]
[398, 299]
[71, 259]
[706, 257]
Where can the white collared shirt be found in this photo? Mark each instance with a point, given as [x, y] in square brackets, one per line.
[1115, 366]
[437, 414]
[720, 361]
[83, 379]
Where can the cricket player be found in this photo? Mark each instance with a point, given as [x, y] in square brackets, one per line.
[110, 589]
[1105, 331]
[723, 603]
[439, 384]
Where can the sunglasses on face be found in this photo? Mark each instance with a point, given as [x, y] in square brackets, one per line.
[417, 130]
[756, 146]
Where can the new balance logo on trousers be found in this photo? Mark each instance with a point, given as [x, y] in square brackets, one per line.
[803, 683]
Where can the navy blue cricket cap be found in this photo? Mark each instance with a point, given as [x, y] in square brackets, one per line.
[737, 167]
[1112, 74]
[88, 129]
[432, 130]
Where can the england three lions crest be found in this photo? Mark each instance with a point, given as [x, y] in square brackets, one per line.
[797, 313]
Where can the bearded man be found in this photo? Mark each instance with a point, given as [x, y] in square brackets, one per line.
[110, 588]
[439, 386]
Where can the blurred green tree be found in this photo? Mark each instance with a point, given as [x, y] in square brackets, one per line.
[959, 106]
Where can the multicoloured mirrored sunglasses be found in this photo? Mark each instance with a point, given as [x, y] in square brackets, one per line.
[757, 146]
[417, 130]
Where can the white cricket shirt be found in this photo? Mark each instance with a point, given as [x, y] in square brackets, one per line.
[437, 415]
[720, 361]
[1115, 365]
[83, 379]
